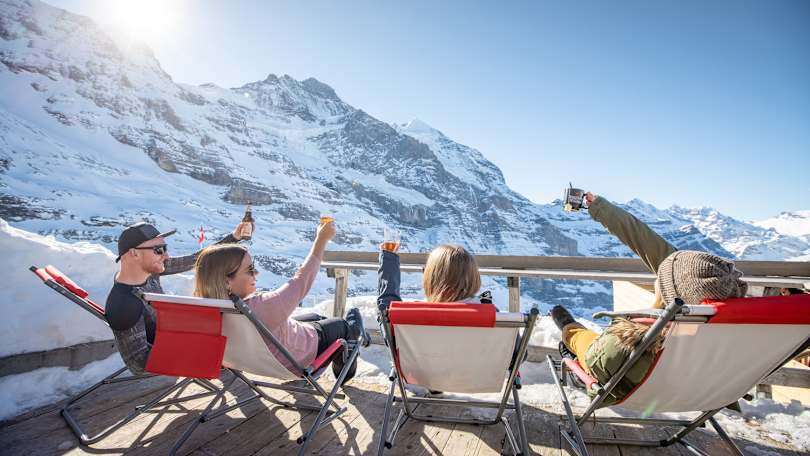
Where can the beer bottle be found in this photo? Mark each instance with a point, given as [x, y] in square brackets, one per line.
[247, 229]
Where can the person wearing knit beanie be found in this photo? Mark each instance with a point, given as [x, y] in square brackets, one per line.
[697, 276]
[689, 275]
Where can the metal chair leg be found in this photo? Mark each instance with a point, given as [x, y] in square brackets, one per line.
[84, 439]
[200, 418]
[389, 402]
[330, 399]
[522, 437]
[402, 418]
[722, 433]
[575, 437]
[510, 436]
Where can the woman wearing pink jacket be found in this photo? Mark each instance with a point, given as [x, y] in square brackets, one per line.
[223, 270]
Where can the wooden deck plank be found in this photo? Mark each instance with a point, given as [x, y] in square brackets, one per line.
[254, 433]
[491, 441]
[287, 441]
[416, 436]
[707, 440]
[645, 433]
[435, 438]
[361, 435]
[464, 440]
[543, 432]
[153, 428]
[340, 427]
[212, 429]
[104, 398]
[601, 431]
[48, 432]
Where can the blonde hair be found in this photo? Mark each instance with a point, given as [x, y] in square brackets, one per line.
[214, 264]
[451, 274]
[629, 333]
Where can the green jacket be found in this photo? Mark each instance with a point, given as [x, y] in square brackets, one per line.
[607, 353]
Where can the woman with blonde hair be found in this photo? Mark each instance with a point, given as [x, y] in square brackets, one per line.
[228, 269]
[450, 275]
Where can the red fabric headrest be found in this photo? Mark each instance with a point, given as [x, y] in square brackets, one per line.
[442, 314]
[767, 310]
[63, 280]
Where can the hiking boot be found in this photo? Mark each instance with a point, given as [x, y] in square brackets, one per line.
[337, 366]
[355, 321]
[561, 316]
[565, 352]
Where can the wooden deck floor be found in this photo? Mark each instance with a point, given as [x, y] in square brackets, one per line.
[259, 428]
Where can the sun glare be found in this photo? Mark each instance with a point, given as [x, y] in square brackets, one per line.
[144, 19]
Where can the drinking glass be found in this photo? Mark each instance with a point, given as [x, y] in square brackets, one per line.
[390, 239]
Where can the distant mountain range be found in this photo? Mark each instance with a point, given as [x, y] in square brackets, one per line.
[95, 135]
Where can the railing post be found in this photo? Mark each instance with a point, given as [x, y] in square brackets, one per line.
[341, 291]
[764, 392]
[513, 283]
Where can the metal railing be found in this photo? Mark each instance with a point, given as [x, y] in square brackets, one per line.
[338, 264]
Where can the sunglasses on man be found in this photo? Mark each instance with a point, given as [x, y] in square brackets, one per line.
[158, 249]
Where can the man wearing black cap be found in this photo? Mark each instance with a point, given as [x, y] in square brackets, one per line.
[144, 257]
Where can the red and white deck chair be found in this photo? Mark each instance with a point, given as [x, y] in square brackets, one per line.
[195, 338]
[246, 346]
[63, 285]
[458, 348]
[713, 354]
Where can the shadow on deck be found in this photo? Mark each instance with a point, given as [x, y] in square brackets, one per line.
[259, 428]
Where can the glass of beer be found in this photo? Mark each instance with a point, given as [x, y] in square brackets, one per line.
[326, 219]
[390, 239]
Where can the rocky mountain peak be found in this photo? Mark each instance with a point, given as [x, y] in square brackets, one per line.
[310, 100]
[318, 88]
[417, 126]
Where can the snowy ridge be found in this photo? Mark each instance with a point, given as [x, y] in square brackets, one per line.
[465, 162]
[789, 223]
[744, 240]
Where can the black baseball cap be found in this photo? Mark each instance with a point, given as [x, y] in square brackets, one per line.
[136, 235]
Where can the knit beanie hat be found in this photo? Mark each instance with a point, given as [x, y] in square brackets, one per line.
[696, 276]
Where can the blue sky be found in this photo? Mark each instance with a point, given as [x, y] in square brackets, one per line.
[690, 102]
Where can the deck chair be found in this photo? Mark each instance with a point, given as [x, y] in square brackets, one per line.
[196, 338]
[713, 354]
[62, 284]
[459, 348]
[247, 345]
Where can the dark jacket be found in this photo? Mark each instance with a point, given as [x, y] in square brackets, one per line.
[388, 279]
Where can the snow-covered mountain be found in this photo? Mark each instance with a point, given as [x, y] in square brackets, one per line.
[795, 224]
[95, 135]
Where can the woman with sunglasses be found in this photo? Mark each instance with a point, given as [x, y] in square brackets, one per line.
[223, 270]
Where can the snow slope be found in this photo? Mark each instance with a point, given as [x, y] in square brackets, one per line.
[36, 317]
[795, 224]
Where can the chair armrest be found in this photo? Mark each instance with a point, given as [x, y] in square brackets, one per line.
[630, 314]
[327, 354]
[577, 370]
